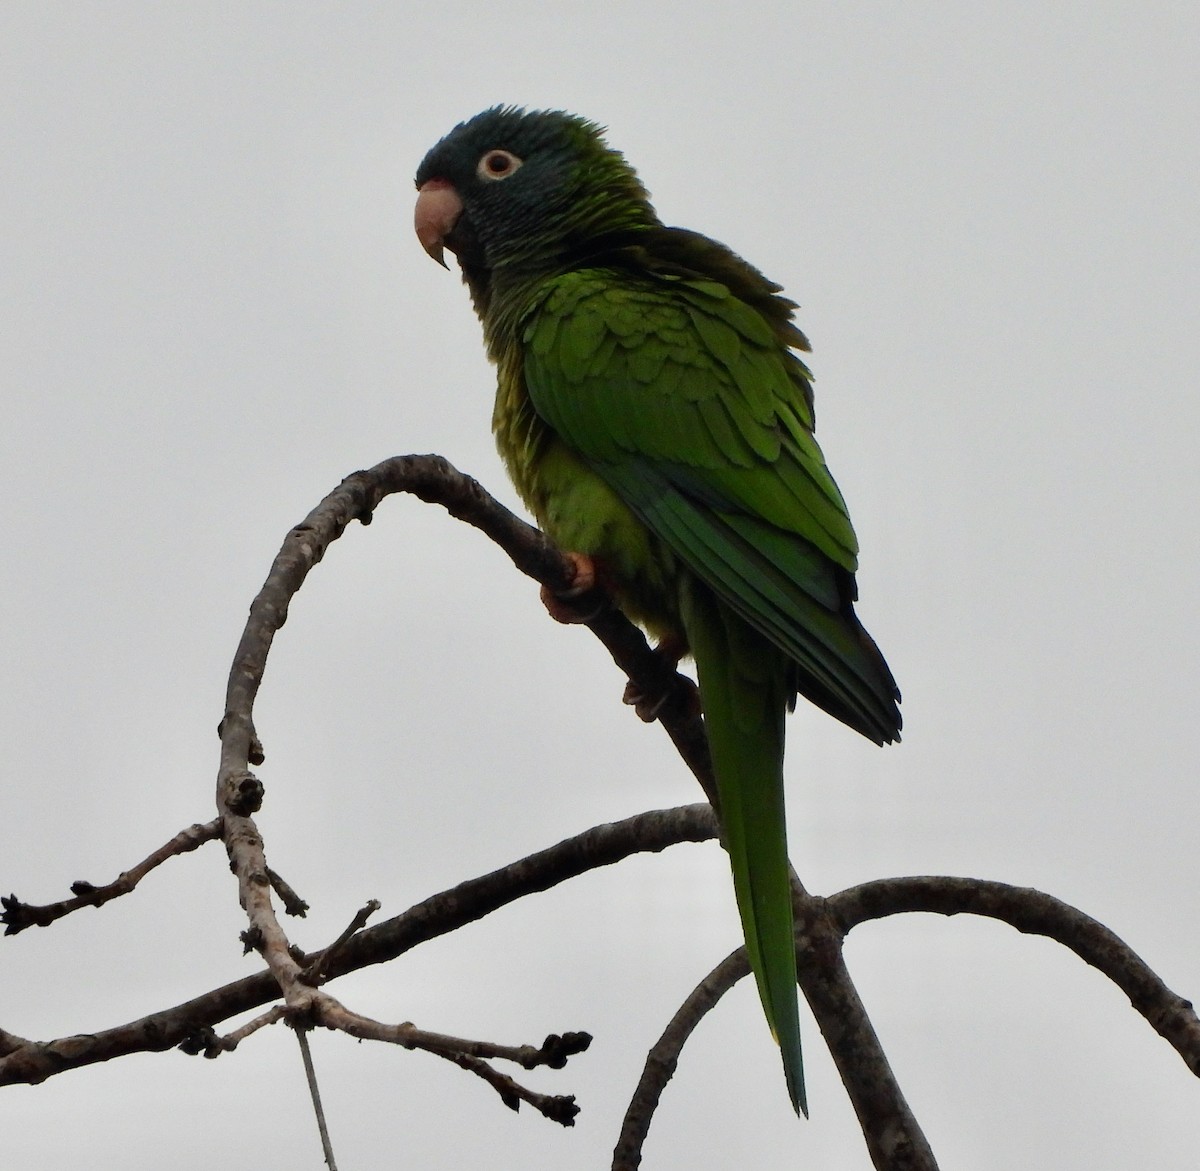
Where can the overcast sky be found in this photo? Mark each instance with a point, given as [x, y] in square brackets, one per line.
[212, 308]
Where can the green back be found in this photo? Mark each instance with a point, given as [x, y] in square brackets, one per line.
[681, 397]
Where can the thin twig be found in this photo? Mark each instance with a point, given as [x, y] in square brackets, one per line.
[208, 1041]
[315, 972]
[293, 904]
[560, 1108]
[470, 1055]
[315, 1092]
[553, 1052]
[18, 915]
[272, 1016]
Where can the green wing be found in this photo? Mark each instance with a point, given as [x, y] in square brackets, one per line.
[681, 397]
[685, 401]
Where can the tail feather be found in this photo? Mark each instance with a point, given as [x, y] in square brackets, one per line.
[745, 692]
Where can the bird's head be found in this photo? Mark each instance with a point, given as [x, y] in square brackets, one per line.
[523, 191]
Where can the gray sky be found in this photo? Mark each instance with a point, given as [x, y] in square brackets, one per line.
[213, 308]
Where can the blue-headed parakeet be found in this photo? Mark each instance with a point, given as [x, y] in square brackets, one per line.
[654, 416]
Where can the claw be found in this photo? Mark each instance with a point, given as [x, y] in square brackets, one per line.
[669, 651]
[560, 604]
[646, 706]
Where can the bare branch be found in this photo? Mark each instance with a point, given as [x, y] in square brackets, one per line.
[824, 923]
[560, 1108]
[231, 1041]
[1035, 913]
[470, 1055]
[30, 1062]
[239, 793]
[553, 1052]
[18, 915]
[894, 1139]
[663, 1058]
[431, 478]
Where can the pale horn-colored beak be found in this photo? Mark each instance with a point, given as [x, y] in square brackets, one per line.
[437, 211]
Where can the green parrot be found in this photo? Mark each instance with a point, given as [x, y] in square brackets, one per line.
[653, 415]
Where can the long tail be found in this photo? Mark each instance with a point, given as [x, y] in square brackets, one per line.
[743, 687]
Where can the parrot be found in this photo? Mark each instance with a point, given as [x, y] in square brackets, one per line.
[653, 413]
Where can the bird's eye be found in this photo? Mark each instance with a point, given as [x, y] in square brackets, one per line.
[497, 164]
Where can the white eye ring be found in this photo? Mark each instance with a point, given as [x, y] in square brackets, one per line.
[497, 164]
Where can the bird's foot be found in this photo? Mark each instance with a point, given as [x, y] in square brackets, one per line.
[563, 605]
[649, 704]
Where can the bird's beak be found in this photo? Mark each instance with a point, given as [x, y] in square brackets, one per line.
[437, 211]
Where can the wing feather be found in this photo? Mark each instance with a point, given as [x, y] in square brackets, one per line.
[680, 396]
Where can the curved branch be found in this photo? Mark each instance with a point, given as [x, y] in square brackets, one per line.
[1034, 913]
[663, 1058]
[824, 923]
[892, 1130]
[433, 479]
[894, 1139]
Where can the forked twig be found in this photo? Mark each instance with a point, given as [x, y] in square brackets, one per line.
[316, 972]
